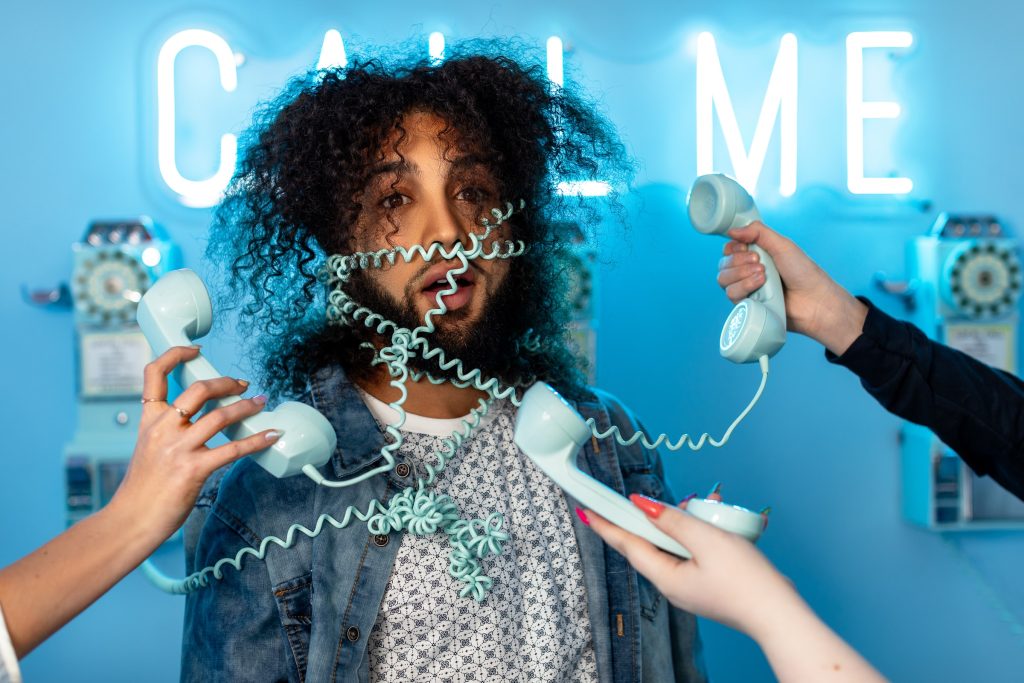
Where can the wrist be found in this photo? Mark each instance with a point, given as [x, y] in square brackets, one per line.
[839, 322]
[778, 617]
[136, 522]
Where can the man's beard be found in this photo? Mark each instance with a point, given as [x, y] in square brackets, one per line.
[489, 344]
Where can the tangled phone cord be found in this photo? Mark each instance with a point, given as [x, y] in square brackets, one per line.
[417, 510]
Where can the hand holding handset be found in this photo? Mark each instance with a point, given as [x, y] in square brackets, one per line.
[551, 433]
[175, 312]
[757, 325]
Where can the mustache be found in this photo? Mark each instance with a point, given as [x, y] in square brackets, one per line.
[427, 265]
[410, 289]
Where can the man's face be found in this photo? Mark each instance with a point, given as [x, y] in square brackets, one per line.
[423, 192]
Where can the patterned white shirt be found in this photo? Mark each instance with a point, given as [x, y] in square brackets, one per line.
[534, 624]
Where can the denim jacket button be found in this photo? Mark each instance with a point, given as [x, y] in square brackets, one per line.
[402, 469]
[381, 540]
[352, 634]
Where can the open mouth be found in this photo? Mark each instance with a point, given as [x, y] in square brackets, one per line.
[442, 284]
[436, 281]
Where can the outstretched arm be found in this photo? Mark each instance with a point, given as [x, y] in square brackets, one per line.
[46, 589]
[730, 581]
[975, 409]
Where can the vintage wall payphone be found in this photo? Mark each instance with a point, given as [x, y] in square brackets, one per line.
[963, 290]
[114, 265]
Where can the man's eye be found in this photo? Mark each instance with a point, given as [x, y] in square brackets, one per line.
[393, 201]
[473, 194]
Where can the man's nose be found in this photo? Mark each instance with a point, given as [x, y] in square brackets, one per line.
[445, 226]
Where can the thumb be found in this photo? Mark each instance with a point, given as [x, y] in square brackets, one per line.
[760, 234]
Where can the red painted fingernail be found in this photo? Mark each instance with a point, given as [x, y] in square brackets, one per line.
[651, 507]
[583, 516]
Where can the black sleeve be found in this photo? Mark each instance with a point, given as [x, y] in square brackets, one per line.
[976, 410]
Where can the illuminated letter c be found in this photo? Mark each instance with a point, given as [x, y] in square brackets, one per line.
[196, 193]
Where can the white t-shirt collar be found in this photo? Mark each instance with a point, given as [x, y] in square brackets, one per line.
[419, 424]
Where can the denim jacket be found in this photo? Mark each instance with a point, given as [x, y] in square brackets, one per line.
[305, 613]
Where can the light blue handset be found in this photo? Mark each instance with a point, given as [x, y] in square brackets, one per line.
[757, 325]
[175, 312]
[551, 433]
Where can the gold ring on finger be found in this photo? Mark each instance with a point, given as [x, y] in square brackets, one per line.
[182, 412]
[153, 400]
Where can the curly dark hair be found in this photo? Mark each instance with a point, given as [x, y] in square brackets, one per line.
[308, 157]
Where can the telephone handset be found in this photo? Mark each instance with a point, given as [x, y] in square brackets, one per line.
[757, 325]
[176, 311]
[551, 433]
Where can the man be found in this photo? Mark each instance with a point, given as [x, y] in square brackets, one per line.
[463, 158]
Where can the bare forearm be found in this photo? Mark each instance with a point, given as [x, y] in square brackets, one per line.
[46, 589]
[802, 648]
[837, 321]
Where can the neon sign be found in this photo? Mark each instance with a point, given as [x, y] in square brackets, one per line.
[332, 52]
[779, 103]
[779, 106]
[195, 193]
[857, 110]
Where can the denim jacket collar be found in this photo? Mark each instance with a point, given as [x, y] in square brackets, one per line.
[359, 437]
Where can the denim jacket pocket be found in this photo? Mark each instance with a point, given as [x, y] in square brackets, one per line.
[295, 606]
[646, 483]
[650, 485]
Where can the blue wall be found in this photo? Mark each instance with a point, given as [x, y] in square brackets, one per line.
[78, 141]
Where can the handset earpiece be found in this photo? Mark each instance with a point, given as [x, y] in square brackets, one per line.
[757, 325]
[176, 311]
[551, 433]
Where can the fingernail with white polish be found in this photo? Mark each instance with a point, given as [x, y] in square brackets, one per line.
[274, 435]
[261, 399]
